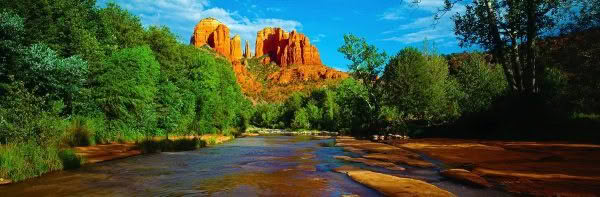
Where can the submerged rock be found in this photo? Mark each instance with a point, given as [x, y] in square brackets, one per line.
[391, 185]
[466, 176]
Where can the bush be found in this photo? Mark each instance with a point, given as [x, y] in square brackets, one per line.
[78, 134]
[212, 140]
[69, 159]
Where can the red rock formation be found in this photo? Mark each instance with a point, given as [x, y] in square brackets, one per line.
[246, 80]
[236, 48]
[247, 52]
[299, 61]
[203, 31]
[286, 48]
[216, 34]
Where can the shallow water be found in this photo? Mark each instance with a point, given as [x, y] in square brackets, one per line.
[253, 166]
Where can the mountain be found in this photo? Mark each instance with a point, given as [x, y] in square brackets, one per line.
[283, 62]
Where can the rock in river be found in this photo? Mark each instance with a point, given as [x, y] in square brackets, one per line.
[465, 176]
[391, 185]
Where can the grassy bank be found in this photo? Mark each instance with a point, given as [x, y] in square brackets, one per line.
[22, 161]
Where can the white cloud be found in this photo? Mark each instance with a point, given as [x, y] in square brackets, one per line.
[419, 36]
[318, 38]
[391, 16]
[274, 9]
[183, 15]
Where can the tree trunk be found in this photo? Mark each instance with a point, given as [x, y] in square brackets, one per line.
[499, 44]
[515, 53]
[532, 33]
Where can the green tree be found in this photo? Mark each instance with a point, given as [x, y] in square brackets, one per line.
[47, 73]
[352, 99]
[68, 27]
[418, 85]
[170, 104]
[119, 28]
[301, 119]
[480, 82]
[510, 30]
[366, 66]
[12, 31]
[127, 89]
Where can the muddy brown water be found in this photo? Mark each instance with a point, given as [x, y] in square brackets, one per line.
[252, 166]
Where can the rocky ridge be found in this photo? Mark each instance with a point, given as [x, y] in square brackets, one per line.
[297, 60]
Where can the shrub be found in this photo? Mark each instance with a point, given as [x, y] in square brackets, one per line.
[78, 134]
[212, 140]
[69, 159]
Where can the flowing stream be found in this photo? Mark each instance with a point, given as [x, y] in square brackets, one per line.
[252, 166]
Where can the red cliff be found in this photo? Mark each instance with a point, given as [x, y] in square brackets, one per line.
[286, 48]
[216, 34]
[236, 48]
[247, 52]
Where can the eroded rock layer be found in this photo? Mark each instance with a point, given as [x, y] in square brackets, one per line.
[286, 48]
[210, 31]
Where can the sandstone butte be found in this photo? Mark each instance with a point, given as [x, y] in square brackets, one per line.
[247, 52]
[211, 32]
[299, 61]
[287, 49]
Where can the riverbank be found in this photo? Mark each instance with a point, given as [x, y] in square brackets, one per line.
[523, 168]
[107, 152]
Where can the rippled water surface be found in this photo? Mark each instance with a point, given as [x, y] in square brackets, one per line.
[253, 166]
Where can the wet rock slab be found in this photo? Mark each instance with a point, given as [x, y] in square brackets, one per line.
[382, 152]
[391, 185]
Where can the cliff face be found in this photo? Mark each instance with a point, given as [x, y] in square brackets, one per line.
[210, 31]
[247, 52]
[298, 63]
[236, 48]
[286, 48]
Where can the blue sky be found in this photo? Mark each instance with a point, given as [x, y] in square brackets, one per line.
[389, 24]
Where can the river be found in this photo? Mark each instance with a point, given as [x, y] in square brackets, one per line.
[252, 166]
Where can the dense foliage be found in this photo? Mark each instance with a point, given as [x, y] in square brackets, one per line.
[75, 74]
